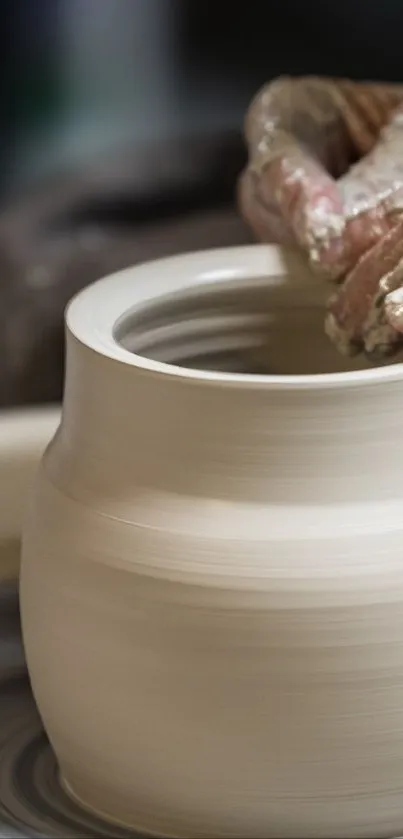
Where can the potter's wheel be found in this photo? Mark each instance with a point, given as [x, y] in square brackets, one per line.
[32, 802]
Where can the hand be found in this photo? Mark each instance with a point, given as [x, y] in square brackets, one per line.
[303, 185]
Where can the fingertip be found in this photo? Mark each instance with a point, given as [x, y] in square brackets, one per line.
[394, 309]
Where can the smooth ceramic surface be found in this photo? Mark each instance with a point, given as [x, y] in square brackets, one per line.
[33, 804]
[212, 574]
[23, 438]
[24, 434]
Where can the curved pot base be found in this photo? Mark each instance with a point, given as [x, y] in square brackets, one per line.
[103, 814]
[143, 826]
[162, 828]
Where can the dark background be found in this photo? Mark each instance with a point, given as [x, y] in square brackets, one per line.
[78, 75]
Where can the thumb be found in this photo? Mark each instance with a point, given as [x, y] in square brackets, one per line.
[311, 205]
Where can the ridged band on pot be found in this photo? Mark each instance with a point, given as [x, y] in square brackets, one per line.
[212, 575]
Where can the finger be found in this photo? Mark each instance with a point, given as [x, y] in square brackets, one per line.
[364, 231]
[357, 318]
[394, 308]
[295, 129]
[362, 118]
[304, 110]
[293, 126]
[311, 206]
[365, 109]
[264, 219]
[332, 118]
[373, 190]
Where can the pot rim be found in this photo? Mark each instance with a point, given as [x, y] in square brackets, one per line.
[93, 314]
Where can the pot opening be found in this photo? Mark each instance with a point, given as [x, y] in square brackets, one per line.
[268, 327]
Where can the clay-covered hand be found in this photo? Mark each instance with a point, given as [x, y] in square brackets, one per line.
[325, 172]
[366, 312]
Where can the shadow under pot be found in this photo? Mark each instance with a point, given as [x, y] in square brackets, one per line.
[212, 572]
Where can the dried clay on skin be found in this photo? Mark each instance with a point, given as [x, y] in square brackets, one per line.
[302, 135]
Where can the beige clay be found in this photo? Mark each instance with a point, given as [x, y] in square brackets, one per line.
[212, 574]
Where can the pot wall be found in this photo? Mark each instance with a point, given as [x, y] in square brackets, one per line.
[212, 584]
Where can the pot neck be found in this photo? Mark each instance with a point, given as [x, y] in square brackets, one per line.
[125, 429]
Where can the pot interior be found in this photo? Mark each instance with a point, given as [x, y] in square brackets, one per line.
[261, 326]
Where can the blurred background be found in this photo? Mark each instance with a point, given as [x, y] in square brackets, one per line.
[83, 75]
[122, 139]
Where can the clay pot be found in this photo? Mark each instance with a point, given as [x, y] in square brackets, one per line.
[212, 574]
